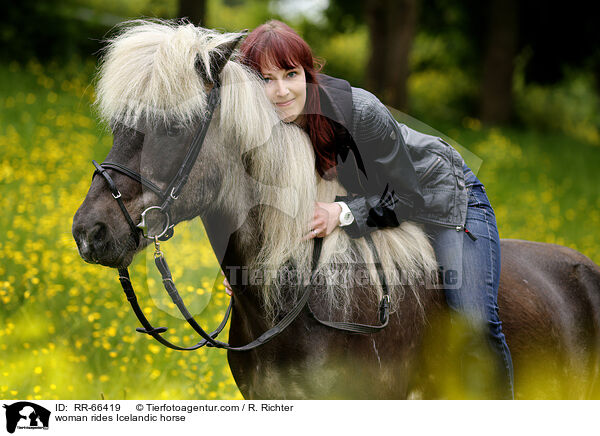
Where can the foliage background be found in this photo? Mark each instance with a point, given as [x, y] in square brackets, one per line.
[66, 331]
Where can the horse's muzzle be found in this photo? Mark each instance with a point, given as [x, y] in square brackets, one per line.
[96, 245]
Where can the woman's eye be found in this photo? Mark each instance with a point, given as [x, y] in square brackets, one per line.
[266, 79]
[292, 74]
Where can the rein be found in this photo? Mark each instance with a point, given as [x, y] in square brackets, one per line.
[167, 197]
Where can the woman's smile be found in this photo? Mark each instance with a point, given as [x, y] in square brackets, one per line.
[286, 103]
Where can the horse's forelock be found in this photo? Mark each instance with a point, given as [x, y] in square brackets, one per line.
[148, 72]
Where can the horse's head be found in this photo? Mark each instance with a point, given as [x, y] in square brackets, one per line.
[153, 89]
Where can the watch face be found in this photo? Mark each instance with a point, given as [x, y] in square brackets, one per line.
[346, 218]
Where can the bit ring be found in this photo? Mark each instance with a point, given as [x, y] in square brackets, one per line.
[143, 226]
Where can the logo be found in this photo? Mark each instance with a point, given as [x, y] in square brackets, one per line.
[26, 415]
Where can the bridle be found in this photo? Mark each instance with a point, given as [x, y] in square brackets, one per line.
[171, 192]
[167, 197]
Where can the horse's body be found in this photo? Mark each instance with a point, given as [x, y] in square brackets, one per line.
[253, 185]
[549, 300]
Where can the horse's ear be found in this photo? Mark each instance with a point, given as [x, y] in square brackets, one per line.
[219, 57]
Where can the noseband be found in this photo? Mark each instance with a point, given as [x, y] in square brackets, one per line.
[167, 197]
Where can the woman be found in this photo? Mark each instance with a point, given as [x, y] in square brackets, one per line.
[392, 173]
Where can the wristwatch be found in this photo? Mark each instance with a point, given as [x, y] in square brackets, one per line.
[346, 217]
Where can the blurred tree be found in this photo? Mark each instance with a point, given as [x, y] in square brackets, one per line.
[498, 62]
[555, 36]
[193, 10]
[344, 16]
[559, 34]
[392, 25]
[52, 29]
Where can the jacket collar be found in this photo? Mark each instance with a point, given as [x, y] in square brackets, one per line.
[336, 100]
[336, 104]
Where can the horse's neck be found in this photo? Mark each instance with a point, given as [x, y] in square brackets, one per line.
[231, 237]
[234, 250]
[233, 225]
[235, 230]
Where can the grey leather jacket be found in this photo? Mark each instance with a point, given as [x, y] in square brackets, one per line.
[391, 172]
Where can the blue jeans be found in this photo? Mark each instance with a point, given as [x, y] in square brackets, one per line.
[471, 272]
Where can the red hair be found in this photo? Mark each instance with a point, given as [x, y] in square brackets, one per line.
[275, 44]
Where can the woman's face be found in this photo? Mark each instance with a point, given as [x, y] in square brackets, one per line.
[287, 91]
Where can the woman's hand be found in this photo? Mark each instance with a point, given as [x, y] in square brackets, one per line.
[228, 289]
[325, 219]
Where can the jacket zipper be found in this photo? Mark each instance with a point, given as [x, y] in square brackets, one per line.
[458, 229]
[430, 169]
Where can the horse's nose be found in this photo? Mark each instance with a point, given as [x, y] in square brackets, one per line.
[97, 236]
[91, 243]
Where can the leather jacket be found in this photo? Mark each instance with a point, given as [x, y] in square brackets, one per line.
[390, 172]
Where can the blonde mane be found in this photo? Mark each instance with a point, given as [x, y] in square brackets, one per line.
[287, 161]
[148, 74]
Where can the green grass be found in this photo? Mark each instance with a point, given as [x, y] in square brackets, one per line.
[66, 331]
[544, 187]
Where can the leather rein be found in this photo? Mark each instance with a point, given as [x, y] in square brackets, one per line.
[167, 197]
